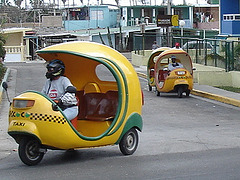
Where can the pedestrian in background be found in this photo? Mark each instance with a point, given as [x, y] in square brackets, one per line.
[155, 45]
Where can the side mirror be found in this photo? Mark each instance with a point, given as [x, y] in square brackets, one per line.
[194, 69]
[5, 86]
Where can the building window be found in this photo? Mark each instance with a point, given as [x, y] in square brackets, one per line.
[97, 15]
[231, 17]
[78, 14]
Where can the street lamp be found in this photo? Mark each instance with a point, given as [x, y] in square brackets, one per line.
[181, 24]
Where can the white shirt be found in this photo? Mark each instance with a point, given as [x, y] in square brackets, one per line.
[56, 88]
[175, 65]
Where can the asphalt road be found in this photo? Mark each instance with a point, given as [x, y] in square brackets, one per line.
[182, 138]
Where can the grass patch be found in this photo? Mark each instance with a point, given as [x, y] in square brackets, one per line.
[229, 88]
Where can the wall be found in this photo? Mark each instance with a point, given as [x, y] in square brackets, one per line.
[14, 39]
[96, 38]
[113, 18]
[226, 27]
[185, 12]
[14, 48]
[209, 25]
[218, 76]
[213, 78]
[19, 25]
[235, 78]
[228, 7]
[104, 18]
[72, 25]
[14, 53]
[139, 59]
[215, 13]
[13, 57]
[52, 21]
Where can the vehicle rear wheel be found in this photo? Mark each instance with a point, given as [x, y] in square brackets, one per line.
[29, 151]
[180, 92]
[129, 142]
[187, 92]
[157, 93]
[149, 87]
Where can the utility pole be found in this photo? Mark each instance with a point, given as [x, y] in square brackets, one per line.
[169, 12]
[169, 7]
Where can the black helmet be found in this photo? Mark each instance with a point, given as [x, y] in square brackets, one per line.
[55, 68]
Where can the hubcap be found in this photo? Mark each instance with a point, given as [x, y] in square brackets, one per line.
[130, 141]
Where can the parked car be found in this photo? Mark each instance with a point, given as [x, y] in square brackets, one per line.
[197, 45]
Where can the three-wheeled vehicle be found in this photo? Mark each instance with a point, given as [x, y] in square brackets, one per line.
[179, 80]
[110, 103]
[150, 66]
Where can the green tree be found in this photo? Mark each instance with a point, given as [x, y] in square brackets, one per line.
[2, 55]
[2, 49]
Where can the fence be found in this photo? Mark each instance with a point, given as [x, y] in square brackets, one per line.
[14, 53]
[223, 53]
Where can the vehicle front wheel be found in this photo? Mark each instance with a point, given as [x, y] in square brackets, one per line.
[180, 92]
[29, 151]
[129, 142]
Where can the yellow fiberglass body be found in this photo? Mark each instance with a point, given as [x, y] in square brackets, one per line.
[150, 65]
[179, 80]
[110, 102]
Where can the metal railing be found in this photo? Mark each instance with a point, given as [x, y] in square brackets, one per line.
[222, 53]
[213, 52]
[12, 51]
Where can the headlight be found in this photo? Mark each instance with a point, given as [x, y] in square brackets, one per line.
[23, 103]
[180, 72]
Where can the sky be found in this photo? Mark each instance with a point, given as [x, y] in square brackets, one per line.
[158, 2]
[122, 2]
[153, 2]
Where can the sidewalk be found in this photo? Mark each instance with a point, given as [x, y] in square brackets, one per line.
[205, 90]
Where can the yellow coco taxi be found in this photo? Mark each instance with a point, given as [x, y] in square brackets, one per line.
[150, 66]
[179, 80]
[110, 103]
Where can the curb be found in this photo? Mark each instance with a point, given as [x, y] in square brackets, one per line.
[215, 97]
[4, 79]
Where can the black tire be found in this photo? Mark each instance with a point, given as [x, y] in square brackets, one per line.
[28, 151]
[129, 142]
[157, 93]
[188, 93]
[180, 92]
[149, 87]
